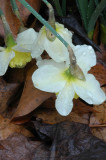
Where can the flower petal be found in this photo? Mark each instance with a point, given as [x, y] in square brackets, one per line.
[64, 101]
[49, 78]
[89, 90]
[56, 49]
[19, 48]
[61, 66]
[27, 38]
[85, 56]
[38, 45]
[5, 58]
[2, 49]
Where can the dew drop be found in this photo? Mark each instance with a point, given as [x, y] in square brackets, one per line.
[89, 47]
[84, 53]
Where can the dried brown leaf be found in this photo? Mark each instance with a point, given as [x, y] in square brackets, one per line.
[96, 33]
[7, 90]
[101, 58]
[18, 147]
[100, 73]
[7, 129]
[48, 113]
[31, 97]
[70, 141]
[98, 121]
[51, 116]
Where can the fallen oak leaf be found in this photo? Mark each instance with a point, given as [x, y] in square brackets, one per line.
[7, 129]
[101, 58]
[1, 147]
[70, 141]
[96, 32]
[18, 75]
[51, 116]
[31, 97]
[7, 90]
[15, 75]
[48, 113]
[19, 147]
[81, 107]
[98, 121]
[100, 73]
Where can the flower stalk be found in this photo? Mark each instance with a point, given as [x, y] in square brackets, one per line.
[9, 39]
[5, 24]
[17, 13]
[51, 21]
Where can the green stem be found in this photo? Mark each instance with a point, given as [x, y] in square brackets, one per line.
[51, 14]
[58, 8]
[64, 7]
[51, 21]
[5, 24]
[14, 5]
[16, 11]
[42, 20]
[1, 12]
[9, 39]
[46, 2]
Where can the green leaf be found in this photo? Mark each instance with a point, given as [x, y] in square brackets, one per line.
[95, 15]
[64, 7]
[104, 14]
[91, 8]
[96, 2]
[103, 20]
[58, 8]
[83, 6]
[103, 33]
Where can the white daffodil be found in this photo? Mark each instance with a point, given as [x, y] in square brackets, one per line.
[56, 50]
[56, 77]
[18, 54]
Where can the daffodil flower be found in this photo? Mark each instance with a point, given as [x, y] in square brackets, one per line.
[56, 78]
[56, 49]
[19, 53]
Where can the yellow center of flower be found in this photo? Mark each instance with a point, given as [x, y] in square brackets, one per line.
[20, 59]
[69, 78]
[67, 75]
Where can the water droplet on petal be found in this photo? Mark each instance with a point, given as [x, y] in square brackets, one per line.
[84, 53]
[89, 47]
